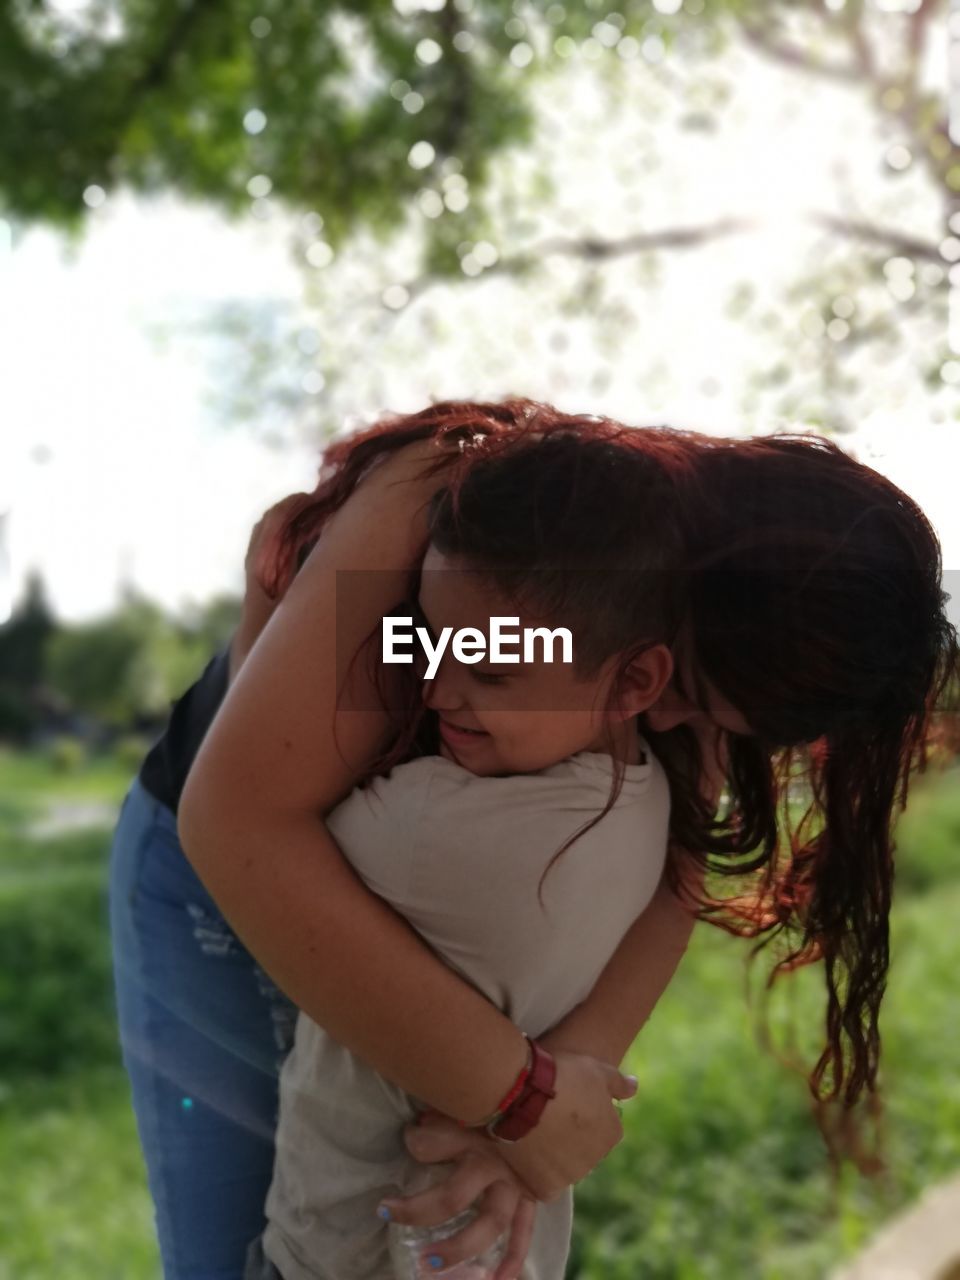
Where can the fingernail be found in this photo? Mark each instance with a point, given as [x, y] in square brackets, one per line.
[632, 1080]
[383, 1212]
[434, 1260]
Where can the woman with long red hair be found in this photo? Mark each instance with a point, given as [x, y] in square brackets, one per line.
[811, 637]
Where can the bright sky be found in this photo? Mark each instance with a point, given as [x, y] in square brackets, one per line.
[112, 467]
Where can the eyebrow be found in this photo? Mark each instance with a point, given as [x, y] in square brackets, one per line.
[419, 615]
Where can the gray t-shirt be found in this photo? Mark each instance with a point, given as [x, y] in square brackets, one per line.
[460, 856]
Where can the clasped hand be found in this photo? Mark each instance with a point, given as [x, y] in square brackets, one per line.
[505, 1181]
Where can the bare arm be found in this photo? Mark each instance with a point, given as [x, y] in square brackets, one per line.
[268, 767]
[608, 1022]
[640, 970]
[250, 820]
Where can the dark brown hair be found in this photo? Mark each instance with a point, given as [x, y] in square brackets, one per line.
[816, 607]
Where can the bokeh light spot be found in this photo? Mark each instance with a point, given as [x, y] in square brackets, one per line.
[319, 254]
[395, 296]
[259, 186]
[431, 204]
[428, 52]
[421, 155]
[653, 49]
[456, 200]
[606, 33]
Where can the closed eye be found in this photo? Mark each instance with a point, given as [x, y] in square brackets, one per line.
[488, 677]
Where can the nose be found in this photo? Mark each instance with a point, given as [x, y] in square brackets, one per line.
[443, 692]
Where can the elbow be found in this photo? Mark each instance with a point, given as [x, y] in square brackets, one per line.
[196, 825]
[187, 824]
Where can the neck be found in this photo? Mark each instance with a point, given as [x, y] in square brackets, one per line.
[622, 742]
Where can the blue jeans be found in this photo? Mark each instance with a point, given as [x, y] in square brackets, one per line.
[203, 1032]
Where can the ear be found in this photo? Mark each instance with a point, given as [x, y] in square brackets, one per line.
[644, 681]
[670, 710]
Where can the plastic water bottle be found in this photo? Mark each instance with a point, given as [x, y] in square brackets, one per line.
[408, 1243]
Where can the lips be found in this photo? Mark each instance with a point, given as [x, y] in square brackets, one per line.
[459, 733]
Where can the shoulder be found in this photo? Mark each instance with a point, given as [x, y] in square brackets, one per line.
[436, 791]
[574, 789]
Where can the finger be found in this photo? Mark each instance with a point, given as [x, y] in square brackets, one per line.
[521, 1233]
[495, 1211]
[429, 1116]
[431, 1141]
[622, 1086]
[445, 1199]
[271, 524]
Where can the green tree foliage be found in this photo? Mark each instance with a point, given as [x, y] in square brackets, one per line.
[22, 643]
[351, 115]
[155, 95]
[22, 639]
[132, 664]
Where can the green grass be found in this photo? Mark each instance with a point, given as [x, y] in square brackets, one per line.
[75, 1204]
[722, 1172]
[29, 778]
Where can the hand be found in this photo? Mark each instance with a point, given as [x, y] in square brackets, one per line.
[263, 539]
[258, 607]
[482, 1178]
[577, 1128]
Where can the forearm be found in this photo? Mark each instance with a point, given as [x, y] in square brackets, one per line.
[244, 638]
[280, 753]
[608, 1022]
[355, 966]
[643, 965]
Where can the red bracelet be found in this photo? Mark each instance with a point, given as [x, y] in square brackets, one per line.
[521, 1116]
[510, 1096]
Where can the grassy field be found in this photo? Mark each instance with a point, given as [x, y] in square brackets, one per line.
[722, 1172]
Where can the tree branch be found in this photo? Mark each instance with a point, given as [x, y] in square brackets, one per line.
[911, 246]
[158, 68]
[762, 37]
[595, 249]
